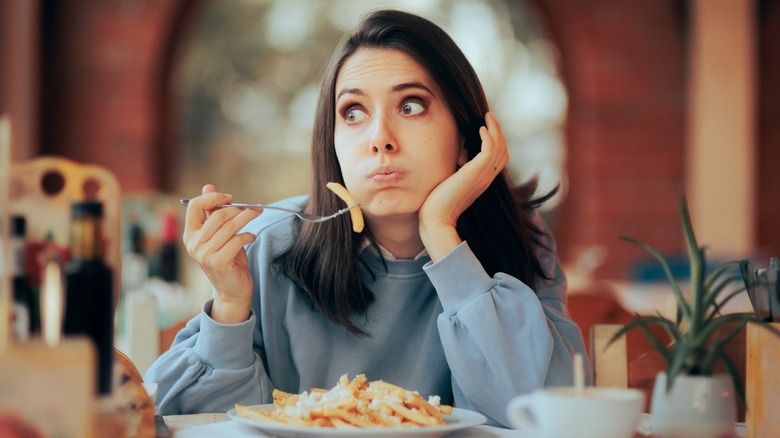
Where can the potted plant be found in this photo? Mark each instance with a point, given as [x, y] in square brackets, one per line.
[691, 398]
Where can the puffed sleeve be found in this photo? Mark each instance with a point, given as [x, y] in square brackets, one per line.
[500, 337]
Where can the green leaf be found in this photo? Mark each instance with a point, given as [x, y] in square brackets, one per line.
[672, 329]
[676, 366]
[711, 326]
[642, 323]
[679, 316]
[690, 237]
[655, 342]
[698, 265]
[708, 361]
[720, 270]
[698, 294]
[716, 308]
[713, 293]
[682, 305]
[748, 275]
[718, 345]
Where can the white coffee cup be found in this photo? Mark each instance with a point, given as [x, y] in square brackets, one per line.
[565, 412]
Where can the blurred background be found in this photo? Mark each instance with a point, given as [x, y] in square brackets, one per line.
[623, 103]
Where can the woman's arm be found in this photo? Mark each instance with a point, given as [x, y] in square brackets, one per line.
[210, 367]
[214, 364]
[500, 338]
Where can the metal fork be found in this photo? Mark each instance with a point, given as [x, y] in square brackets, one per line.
[303, 216]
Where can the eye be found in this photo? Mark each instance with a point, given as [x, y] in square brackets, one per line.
[412, 108]
[354, 115]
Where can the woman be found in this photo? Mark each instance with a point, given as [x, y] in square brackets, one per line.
[453, 289]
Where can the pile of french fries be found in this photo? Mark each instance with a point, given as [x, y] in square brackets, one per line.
[352, 404]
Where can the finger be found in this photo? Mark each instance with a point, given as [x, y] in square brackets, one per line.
[225, 258]
[234, 246]
[219, 229]
[494, 127]
[500, 147]
[496, 132]
[488, 155]
[199, 208]
[208, 188]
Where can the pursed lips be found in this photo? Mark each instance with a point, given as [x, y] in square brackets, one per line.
[387, 175]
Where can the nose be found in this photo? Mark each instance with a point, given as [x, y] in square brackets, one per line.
[382, 139]
[385, 149]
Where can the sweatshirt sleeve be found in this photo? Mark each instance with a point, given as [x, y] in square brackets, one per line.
[209, 368]
[501, 338]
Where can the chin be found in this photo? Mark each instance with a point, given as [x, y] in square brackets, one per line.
[388, 211]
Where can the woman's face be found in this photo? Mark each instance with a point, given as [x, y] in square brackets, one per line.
[395, 136]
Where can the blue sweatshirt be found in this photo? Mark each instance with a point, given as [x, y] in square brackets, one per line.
[444, 328]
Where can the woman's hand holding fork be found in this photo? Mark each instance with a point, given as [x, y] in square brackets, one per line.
[211, 238]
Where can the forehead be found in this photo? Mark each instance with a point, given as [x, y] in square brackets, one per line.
[374, 67]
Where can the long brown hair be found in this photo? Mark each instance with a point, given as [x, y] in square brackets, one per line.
[324, 259]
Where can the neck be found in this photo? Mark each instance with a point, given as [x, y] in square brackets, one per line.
[401, 237]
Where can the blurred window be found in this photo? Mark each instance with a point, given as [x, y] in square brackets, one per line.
[248, 78]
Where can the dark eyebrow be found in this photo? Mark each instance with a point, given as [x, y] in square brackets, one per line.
[344, 91]
[395, 89]
[411, 85]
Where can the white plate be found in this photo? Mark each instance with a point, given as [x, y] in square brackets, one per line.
[460, 419]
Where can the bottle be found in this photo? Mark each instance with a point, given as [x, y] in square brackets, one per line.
[26, 314]
[135, 265]
[169, 259]
[89, 302]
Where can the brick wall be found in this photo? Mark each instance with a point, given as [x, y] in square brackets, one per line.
[769, 129]
[104, 66]
[623, 65]
[105, 100]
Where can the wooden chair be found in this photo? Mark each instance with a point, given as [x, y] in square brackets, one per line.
[609, 363]
[43, 189]
[599, 315]
[596, 306]
[763, 382]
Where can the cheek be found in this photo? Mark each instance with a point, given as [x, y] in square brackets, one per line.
[347, 143]
[348, 166]
[448, 153]
[438, 167]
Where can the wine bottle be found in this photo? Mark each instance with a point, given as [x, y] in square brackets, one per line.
[169, 257]
[135, 265]
[89, 308]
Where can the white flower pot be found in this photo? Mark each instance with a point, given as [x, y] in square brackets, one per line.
[695, 407]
